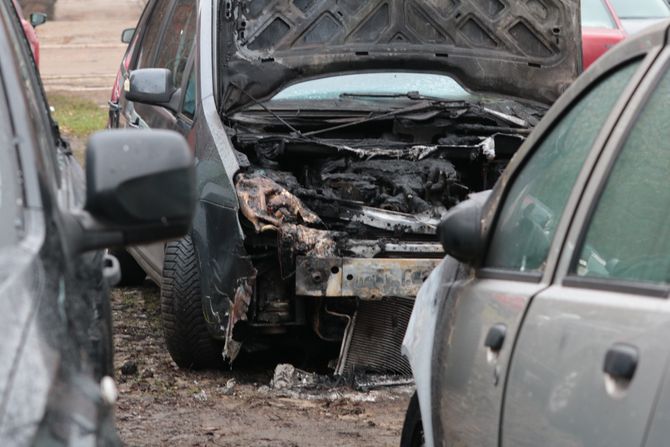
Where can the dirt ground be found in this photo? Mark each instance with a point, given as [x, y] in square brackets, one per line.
[158, 403]
[81, 47]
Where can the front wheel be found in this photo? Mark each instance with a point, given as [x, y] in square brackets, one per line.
[184, 326]
[412, 429]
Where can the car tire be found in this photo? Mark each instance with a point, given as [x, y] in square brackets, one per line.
[412, 429]
[132, 275]
[184, 326]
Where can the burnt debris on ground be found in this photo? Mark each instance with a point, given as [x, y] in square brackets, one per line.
[162, 404]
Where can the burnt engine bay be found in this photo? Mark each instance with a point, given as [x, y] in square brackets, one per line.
[342, 205]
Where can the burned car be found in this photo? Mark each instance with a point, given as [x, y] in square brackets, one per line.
[56, 374]
[330, 137]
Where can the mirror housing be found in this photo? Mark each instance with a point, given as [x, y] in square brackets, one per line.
[153, 86]
[127, 35]
[460, 230]
[140, 188]
[37, 19]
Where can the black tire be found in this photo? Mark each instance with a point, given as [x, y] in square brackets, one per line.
[412, 429]
[132, 275]
[184, 327]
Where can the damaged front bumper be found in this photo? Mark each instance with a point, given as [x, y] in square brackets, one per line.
[367, 279]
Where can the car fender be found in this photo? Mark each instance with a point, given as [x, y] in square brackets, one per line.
[417, 346]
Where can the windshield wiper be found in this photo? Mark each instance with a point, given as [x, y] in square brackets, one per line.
[413, 95]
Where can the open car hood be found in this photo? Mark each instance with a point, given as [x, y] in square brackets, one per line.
[527, 49]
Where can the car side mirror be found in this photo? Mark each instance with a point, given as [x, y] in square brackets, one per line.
[460, 230]
[140, 189]
[127, 35]
[153, 86]
[37, 19]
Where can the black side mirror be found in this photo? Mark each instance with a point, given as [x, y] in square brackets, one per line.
[127, 35]
[461, 230]
[37, 19]
[140, 189]
[152, 86]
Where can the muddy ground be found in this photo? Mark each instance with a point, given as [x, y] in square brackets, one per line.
[160, 404]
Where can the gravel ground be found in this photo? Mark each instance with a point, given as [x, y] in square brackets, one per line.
[161, 404]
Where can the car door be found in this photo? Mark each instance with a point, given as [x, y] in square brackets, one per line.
[172, 51]
[601, 30]
[590, 357]
[482, 315]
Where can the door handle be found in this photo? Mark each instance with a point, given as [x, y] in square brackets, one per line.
[495, 339]
[621, 362]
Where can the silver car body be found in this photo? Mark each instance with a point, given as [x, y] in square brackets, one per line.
[546, 385]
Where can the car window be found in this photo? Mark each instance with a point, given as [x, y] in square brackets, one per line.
[641, 9]
[151, 34]
[380, 83]
[596, 15]
[179, 36]
[629, 234]
[189, 97]
[535, 202]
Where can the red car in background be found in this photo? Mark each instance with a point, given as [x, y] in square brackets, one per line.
[36, 19]
[607, 22]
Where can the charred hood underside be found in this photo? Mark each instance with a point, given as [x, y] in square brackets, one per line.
[524, 49]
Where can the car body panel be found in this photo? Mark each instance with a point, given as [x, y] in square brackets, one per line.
[30, 33]
[657, 435]
[601, 30]
[56, 340]
[417, 345]
[634, 26]
[557, 393]
[487, 46]
[150, 258]
[597, 41]
[648, 47]
[471, 381]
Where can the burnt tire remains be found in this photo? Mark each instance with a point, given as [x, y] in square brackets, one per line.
[184, 327]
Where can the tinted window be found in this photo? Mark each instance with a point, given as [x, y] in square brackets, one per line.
[179, 35]
[596, 15]
[535, 203]
[151, 34]
[629, 234]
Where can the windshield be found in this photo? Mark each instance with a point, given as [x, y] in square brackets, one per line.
[596, 15]
[641, 9]
[387, 83]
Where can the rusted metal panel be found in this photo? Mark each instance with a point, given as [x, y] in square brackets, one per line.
[363, 278]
